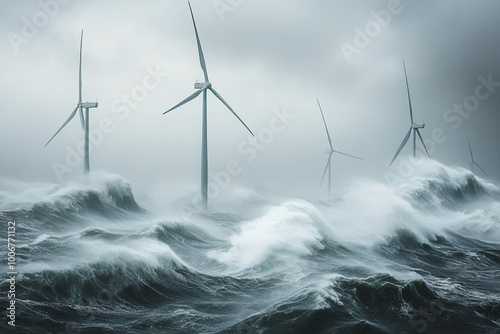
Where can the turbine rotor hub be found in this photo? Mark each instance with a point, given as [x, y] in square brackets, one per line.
[88, 104]
[417, 126]
[202, 85]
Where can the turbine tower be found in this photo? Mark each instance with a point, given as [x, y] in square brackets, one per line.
[413, 127]
[202, 87]
[84, 119]
[472, 159]
[330, 153]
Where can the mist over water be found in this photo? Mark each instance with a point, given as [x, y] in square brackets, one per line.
[419, 256]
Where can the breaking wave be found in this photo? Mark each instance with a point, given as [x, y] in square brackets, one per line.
[420, 256]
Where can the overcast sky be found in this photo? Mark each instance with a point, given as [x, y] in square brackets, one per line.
[264, 57]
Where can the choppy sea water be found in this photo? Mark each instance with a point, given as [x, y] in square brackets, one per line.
[420, 257]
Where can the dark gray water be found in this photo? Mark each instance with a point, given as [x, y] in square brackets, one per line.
[421, 257]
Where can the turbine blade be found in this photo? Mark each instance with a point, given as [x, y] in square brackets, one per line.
[80, 72]
[422, 140]
[69, 119]
[408, 90]
[475, 163]
[200, 51]
[326, 168]
[186, 100]
[82, 118]
[470, 149]
[352, 156]
[403, 143]
[231, 109]
[326, 128]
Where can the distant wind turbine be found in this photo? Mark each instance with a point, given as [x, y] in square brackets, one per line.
[330, 153]
[203, 87]
[472, 159]
[84, 120]
[413, 127]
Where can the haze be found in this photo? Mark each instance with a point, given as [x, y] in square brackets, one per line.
[266, 58]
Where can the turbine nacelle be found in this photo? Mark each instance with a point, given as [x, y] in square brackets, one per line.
[88, 104]
[202, 85]
[418, 126]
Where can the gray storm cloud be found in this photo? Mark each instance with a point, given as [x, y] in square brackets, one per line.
[264, 56]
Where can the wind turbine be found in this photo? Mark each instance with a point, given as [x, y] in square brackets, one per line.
[202, 87]
[472, 159]
[413, 127]
[330, 153]
[84, 119]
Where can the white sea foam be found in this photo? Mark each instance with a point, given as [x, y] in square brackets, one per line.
[287, 229]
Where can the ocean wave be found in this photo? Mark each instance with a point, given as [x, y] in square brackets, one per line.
[439, 186]
[377, 259]
[290, 228]
[104, 195]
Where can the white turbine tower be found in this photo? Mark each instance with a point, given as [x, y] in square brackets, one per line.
[472, 160]
[330, 153]
[202, 88]
[84, 119]
[413, 127]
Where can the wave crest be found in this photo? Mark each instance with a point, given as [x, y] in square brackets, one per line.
[287, 229]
